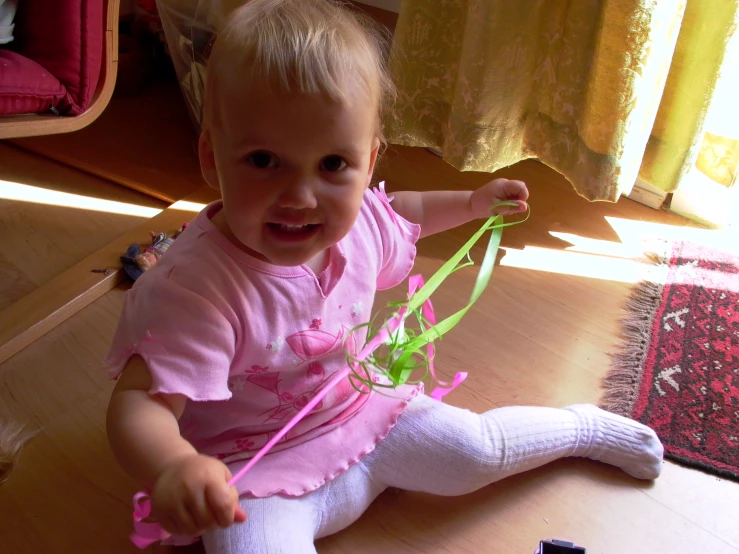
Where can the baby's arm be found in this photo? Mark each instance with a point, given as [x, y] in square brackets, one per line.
[142, 429]
[437, 211]
[189, 491]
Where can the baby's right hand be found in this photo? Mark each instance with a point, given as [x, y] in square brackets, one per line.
[192, 496]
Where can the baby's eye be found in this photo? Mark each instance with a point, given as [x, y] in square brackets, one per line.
[263, 160]
[333, 164]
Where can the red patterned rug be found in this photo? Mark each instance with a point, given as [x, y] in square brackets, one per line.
[677, 370]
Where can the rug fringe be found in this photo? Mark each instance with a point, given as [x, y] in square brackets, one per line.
[622, 382]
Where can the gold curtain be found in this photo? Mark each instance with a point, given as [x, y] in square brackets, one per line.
[603, 91]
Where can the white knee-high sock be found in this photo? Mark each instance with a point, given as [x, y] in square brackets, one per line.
[275, 525]
[618, 441]
[441, 449]
[279, 525]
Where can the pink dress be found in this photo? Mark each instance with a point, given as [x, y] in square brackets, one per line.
[250, 343]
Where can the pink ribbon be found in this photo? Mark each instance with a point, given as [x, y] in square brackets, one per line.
[147, 531]
[427, 310]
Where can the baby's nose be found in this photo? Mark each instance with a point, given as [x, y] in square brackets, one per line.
[299, 195]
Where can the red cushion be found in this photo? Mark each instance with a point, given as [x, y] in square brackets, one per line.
[66, 37]
[26, 87]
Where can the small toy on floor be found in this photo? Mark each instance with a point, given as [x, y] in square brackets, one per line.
[558, 546]
[135, 262]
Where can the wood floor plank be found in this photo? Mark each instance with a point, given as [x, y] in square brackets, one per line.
[39, 239]
[21, 166]
[14, 284]
[47, 306]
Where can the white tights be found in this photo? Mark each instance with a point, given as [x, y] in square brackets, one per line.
[439, 449]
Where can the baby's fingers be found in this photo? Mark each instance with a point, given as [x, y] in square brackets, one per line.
[180, 521]
[515, 190]
[174, 515]
[202, 514]
[224, 504]
[240, 515]
[520, 206]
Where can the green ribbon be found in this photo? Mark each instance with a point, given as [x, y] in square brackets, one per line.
[405, 355]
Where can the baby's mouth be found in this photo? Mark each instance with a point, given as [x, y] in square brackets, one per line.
[292, 229]
[287, 232]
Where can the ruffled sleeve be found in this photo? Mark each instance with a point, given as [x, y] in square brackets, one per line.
[187, 343]
[398, 237]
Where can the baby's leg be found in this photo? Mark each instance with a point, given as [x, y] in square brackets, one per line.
[282, 525]
[444, 450]
[274, 524]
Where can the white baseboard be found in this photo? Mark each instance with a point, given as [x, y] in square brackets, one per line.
[698, 198]
[647, 194]
[389, 5]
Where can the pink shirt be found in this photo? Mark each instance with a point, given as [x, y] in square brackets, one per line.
[249, 343]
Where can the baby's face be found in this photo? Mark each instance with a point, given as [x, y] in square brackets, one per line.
[292, 170]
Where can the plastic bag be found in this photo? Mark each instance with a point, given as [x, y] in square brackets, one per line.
[191, 27]
[7, 12]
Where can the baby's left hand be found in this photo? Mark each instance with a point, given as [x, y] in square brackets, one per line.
[496, 191]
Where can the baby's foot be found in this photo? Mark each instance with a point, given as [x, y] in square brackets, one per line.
[618, 441]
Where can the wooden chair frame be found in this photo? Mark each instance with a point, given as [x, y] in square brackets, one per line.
[13, 126]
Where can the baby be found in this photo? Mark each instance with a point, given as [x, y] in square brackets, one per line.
[248, 314]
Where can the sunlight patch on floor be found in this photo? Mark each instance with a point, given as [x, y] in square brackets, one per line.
[38, 195]
[624, 261]
[600, 247]
[186, 206]
[579, 264]
[645, 233]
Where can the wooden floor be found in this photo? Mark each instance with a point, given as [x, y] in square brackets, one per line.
[536, 337]
[39, 240]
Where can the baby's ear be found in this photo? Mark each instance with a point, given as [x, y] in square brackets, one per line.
[373, 160]
[208, 160]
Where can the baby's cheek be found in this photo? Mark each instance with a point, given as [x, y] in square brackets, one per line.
[350, 214]
[338, 229]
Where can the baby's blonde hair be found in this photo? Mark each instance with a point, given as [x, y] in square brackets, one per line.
[301, 46]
